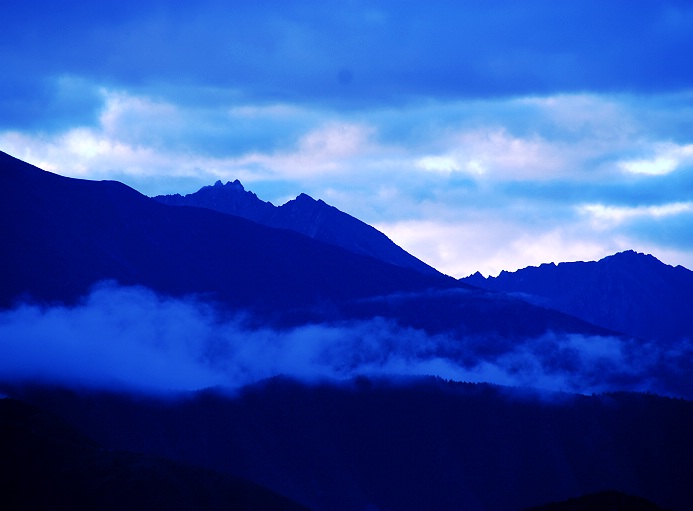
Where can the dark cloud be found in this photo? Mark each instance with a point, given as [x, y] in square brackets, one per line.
[47, 103]
[294, 50]
[672, 232]
[130, 337]
[614, 190]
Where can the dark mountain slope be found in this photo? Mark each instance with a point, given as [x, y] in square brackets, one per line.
[628, 292]
[62, 235]
[47, 465]
[408, 444]
[602, 501]
[305, 215]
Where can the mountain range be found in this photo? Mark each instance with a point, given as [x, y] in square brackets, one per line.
[322, 363]
[66, 235]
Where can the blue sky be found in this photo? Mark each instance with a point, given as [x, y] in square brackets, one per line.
[477, 135]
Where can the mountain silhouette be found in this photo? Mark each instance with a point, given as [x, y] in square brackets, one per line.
[47, 464]
[628, 292]
[304, 214]
[602, 501]
[62, 235]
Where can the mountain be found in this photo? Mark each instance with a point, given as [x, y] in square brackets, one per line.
[303, 214]
[627, 292]
[268, 300]
[602, 501]
[405, 444]
[47, 464]
[62, 235]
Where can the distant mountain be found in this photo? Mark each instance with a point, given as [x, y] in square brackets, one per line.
[628, 292]
[62, 235]
[303, 214]
[407, 444]
[47, 464]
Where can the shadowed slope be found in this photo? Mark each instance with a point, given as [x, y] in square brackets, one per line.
[48, 465]
[410, 444]
[602, 501]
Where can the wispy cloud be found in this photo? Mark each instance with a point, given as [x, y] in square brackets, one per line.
[604, 217]
[132, 338]
[667, 158]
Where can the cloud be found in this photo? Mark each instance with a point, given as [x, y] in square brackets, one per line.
[609, 216]
[497, 177]
[667, 158]
[296, 51]
[490, 243]
[130, 337]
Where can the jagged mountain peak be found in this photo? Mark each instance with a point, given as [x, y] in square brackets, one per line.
[304, 214]
[236, 185]
[632, 257]
[304, 197]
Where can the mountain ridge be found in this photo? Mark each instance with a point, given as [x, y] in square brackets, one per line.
[629, 292]
[65, 234]
[313, 218]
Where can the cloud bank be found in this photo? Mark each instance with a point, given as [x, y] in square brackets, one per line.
[129, 337]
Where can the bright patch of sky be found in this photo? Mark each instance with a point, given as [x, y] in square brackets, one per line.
[477, 136]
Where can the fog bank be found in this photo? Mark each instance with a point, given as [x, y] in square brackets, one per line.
[130, 337]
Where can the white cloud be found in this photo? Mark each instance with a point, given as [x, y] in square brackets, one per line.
[462, 247]
[418, 172]
[606, 217]
[329, 149]
[668, 158]
[496, 154]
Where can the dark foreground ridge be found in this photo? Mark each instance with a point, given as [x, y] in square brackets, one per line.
[408, 444]
[49, 465]
[602, 501]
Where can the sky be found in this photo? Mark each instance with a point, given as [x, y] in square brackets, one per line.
[479, 136]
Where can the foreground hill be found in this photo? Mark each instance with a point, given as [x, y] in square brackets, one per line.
[628, 292]
[407, 444]
[49, 465]
[602, 501]
[303, 214]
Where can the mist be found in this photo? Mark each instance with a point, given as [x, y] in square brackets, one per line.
[132, 338]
